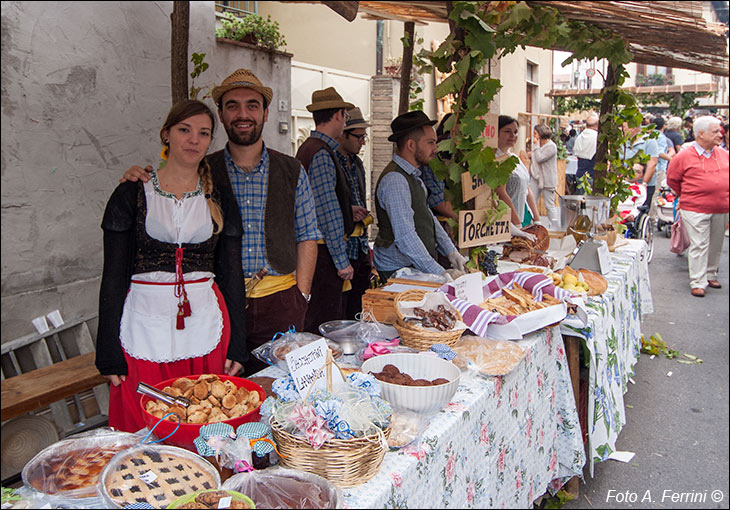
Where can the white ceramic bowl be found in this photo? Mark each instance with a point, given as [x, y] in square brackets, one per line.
[421, 399]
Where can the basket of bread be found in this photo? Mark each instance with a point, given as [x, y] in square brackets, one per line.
[427, 318]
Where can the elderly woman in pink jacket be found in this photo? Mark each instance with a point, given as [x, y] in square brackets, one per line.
[544, 173]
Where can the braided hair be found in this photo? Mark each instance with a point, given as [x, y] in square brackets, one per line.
[179, 112]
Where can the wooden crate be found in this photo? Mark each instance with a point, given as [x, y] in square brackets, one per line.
[379, 302]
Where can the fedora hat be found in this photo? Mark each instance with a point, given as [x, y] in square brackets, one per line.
[356, 120]
[407, 122]
[242, 78]
[327, 99]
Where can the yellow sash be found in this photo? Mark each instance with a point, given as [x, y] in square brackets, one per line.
[270, 284]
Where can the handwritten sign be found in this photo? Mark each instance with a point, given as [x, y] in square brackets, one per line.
[305, 364]
[469, 288]
[491, 131]
[472, 186]
[475, 230]
[604, 258]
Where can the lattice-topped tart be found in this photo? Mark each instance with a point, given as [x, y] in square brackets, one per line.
[157, 475]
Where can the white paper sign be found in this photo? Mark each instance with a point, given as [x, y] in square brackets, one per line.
[55, 318]
[41, 325]
[604, 258]
[148, 477]
[225, 502]
[305, 363]
[469, 288]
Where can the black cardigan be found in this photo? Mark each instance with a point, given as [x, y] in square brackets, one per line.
[119, 224]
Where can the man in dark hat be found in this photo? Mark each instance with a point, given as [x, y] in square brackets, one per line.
[279, 246]
[331, 193]
[409, 235]
[351, 143]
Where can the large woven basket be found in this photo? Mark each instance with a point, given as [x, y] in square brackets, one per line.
[416, 337]
[344, 462]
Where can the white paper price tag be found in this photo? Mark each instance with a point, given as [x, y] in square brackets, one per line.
[55, 318]
[469, 288]
[148, 477]
[604, 258]
[41, 325]
[305, 364]
[225, 502]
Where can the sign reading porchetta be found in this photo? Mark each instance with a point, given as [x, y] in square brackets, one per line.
[475, 229]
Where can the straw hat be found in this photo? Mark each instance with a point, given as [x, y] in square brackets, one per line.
[356, 120]
[22, 438]
[327, 99]
[242, 78]
[407, 122]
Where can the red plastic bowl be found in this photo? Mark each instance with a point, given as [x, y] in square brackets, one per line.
[187, 432]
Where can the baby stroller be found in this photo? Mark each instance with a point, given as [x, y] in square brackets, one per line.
[666, 210]
[639, 224]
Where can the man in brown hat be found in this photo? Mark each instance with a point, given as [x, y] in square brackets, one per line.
[358, 250]
[334, 206]
[279, 246]
[409, 235]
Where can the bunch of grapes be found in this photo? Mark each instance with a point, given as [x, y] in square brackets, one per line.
[488, 263]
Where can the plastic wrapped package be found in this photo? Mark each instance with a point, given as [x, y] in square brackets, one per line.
[482, 356]
[212, 498]
[68, 471]
[406, 427]
[409, 273]
[156, 475]
[274, 351]
[279, 487]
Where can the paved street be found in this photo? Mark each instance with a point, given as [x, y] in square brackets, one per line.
[677, 425]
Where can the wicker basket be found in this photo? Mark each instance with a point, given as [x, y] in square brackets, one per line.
[344, 462]
[420, 338]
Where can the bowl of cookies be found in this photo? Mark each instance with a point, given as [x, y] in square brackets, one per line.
[213, 398]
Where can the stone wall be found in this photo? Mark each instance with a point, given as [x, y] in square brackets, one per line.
[85, 90]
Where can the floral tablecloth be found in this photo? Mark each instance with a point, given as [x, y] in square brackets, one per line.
[500, 442]
[613, 337]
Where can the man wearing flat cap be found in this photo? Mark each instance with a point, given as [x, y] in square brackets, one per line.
[409, 235]
[331, 193]
[279, 245]
[358, 249]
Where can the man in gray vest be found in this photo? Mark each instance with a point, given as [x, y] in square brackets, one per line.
[279, 246]
[409, 235]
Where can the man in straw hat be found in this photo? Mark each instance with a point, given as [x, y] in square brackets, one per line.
[332, 196]
[279, 246]
[409, 235]
[358, 250]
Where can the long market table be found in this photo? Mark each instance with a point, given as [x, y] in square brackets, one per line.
[504, 441]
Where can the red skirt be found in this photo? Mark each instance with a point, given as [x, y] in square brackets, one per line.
[125, 411]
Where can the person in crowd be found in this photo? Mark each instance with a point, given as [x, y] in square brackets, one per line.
[172, 296]
[674, 125]
[435, 188]
[666, 153]
[544, 172]
[333, 199]
[516, 192]
[688, 131]
[726, 136]
[572, 135]
[409, 235]
[277, 211]
[584, 148]
[350, 143]
[699, 176]
[649, 147]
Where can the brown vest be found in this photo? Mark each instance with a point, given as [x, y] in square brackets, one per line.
[279, 216]
[305, 154]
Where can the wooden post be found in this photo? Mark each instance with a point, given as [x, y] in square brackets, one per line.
[405, 68]
[608, 100]
[180, 18]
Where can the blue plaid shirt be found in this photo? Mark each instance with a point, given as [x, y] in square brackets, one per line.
[434, 187]
[355, 245]
[408, 250]
[323, 178]
[250, 190]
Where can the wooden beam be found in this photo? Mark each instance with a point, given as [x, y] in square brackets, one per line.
[406, 67]
[179, 34]
[347, 10]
